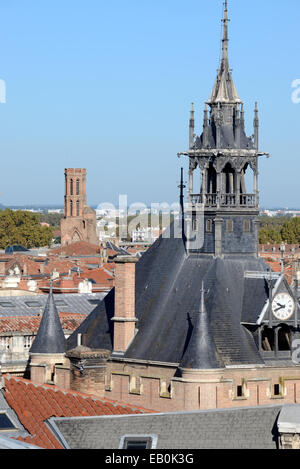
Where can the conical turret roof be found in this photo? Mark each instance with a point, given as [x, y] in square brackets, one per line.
[50, 338]
[201, 353]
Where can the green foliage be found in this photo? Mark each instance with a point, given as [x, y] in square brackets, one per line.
[279, 229]
[24, 228]
[270, 235]
[290, 232]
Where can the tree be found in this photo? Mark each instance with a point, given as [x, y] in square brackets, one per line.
[23, 228]
[290, 231]
[269, 235]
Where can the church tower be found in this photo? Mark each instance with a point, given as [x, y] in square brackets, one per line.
[79, 222]
[222, 216]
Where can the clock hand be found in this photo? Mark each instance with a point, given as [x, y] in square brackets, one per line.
[281, 307]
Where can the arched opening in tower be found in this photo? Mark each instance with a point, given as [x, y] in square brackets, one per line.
[211, 180]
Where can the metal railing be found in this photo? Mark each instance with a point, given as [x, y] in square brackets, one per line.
[224, 200]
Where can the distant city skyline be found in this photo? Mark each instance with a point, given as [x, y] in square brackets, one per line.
[107, 86]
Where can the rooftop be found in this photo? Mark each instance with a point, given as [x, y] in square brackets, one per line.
[34, 404]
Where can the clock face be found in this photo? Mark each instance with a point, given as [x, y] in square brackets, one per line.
[283, 306]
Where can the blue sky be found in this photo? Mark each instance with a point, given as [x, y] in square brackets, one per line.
[107, 85]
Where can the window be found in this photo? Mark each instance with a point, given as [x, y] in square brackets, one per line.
[229, 226]
[284, 338]
[268, 339]
[77, 208]
[138, 442]
[277, 390]
[71, 187]
[247, 226]
[71, 208]
[208, 226]
[6, 423]
[77, 187]
[6, 304]
[239, 391]
[33, 304]
[94, 302]
[195, 225]
[60, 303]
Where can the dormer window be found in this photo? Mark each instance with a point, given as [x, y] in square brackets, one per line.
[141, 442]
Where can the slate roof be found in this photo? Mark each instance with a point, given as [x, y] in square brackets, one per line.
[242, 428]
[50, 337]
[33, 305]
[227, 139]
[168, 291]
[35, 403]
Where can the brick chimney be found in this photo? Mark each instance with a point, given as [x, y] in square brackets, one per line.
[124, 318]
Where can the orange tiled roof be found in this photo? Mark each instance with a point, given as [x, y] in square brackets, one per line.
[35, 403]
[276, 267]
[80, 248]
[69, 322]
[103, 280]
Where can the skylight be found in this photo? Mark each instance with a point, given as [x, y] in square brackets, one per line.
[5, 423]
[6, 304]
[33, 304]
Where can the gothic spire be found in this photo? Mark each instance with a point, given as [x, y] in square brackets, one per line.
[224, 90]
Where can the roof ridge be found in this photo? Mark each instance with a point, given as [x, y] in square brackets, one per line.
[74, 393]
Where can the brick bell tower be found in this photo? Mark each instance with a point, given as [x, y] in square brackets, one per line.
[226, 207]
[79, 222]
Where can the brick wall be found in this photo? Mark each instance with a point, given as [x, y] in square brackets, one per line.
[88, 370]
[156, 388]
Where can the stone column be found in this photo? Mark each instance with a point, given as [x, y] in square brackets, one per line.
[238, 187]
[255, 184]
[191, 182]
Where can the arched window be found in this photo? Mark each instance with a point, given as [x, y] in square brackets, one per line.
[229, 179]
[71, 208]
[211, 180]
[208, 226]
[71, 187]
[268, 339]
[77, 187]
[247, 226]
[229, 226]
[77, 208]
[284, 338]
